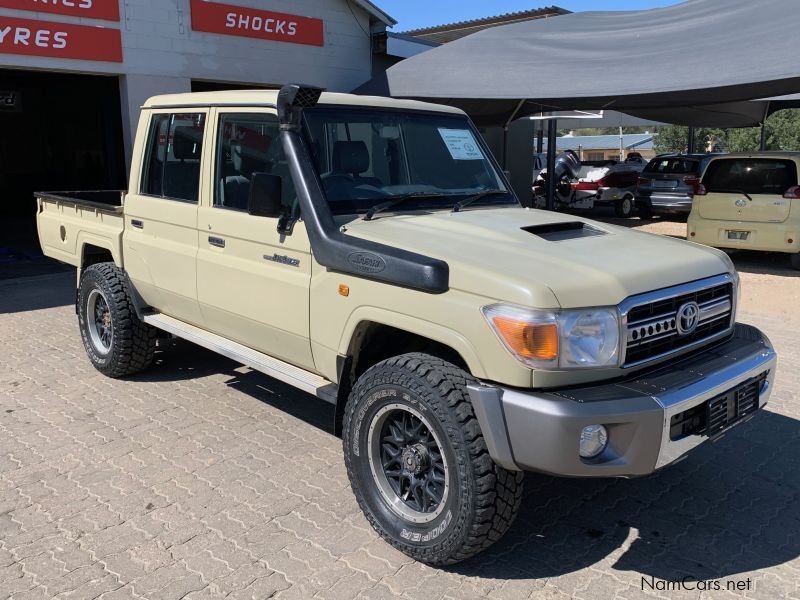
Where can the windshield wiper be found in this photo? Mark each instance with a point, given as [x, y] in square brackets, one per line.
[384, 206]
[478, 196]
[743, 193]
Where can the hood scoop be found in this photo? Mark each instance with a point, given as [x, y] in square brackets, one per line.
[559, 232]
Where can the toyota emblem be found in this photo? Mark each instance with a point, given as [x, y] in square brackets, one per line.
[741, 203]
[687, 318]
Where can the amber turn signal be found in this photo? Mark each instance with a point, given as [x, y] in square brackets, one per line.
[344, 290]
[533, 341]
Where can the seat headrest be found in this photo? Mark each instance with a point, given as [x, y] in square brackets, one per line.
[249, 151]
[187, 142]
[350, 157]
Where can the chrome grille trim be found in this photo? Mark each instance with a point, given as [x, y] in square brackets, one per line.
[664, 325]
[661, 328]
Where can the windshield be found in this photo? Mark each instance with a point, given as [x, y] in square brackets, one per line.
[750, 175]
[366, 157]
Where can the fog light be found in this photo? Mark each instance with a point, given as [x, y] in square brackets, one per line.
[593, 441]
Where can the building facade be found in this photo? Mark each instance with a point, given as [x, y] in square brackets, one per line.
[74, 73]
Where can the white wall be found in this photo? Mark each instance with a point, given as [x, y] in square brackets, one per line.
[162, 54]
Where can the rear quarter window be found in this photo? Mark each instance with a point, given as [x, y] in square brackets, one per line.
[750, 175]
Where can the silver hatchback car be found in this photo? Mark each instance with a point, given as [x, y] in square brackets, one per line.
[668, 184]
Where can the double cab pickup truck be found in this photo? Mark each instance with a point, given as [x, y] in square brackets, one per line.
[370, 251]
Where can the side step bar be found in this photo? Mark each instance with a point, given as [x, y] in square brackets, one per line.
[294, 376]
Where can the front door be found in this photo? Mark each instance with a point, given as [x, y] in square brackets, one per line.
[253, 283]
[160, 239]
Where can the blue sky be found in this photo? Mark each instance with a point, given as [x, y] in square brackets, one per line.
[412, 14]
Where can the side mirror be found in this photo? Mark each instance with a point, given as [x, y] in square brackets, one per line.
[265, 196]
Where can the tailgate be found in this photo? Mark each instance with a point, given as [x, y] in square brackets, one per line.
[747, 189]
[66, 223]
[761, 208]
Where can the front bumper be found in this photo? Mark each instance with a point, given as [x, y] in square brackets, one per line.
[540, 430]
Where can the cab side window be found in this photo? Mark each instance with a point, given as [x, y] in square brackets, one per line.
[248, 143]
[172, 160]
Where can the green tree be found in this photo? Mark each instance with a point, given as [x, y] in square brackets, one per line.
[782, 133]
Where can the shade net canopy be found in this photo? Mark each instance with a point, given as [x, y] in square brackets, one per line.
[693, 54]
[746, 113]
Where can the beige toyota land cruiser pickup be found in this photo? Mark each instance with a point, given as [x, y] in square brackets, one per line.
[370, 251]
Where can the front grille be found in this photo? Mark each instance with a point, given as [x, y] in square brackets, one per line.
[716, 415]
[653, 327]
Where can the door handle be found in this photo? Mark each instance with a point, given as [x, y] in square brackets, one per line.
[137, 223]
[216, 241]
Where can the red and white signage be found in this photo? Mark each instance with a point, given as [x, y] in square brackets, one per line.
[107, 10]
[213, 17]
[59, 40]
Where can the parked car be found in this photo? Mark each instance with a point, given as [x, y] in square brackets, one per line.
[370, 251]
[668, 184]
[749, 201]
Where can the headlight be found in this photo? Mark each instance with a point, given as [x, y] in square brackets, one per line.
[737, 281]
[570, 339]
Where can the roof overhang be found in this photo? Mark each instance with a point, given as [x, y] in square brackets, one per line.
[375, 12]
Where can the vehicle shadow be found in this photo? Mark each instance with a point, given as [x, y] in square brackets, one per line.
[22, 294]
[728, 508]
[764, 263]
[179, 360]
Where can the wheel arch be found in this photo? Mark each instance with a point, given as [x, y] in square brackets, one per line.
[94, 249]
[371, 339]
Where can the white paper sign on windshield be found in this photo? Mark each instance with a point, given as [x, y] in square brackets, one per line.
[461, 144]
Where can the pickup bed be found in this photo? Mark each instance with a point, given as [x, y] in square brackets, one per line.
[370, 251]
[72, 223]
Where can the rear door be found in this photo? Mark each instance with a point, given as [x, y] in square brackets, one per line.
[160, 239]
[749, 189]
[253, 282]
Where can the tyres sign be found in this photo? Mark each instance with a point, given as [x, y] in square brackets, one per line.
[214, 17]
[107, 10]
[59, 40]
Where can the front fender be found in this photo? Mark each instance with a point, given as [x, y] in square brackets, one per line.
[414, 325]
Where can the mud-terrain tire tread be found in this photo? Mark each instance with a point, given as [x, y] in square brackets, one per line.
[497, 491]
[134, 342]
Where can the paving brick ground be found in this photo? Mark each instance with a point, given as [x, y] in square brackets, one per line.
[201, 479]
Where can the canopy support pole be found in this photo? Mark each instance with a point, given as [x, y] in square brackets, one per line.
[763, 141]
[540, 138]
[552, 128]
[505, 133]
[690, 141]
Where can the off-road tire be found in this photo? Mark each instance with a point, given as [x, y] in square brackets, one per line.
[625, 206]
[483, 498]
[795, 261]
[132, 342]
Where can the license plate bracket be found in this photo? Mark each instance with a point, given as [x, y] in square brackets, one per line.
[665, 183]
[730, 408]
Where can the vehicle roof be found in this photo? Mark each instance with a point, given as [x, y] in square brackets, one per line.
[772, 154]
[270, 97]
[694, 155]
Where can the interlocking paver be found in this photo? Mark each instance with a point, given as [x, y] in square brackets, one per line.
[201, 479]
